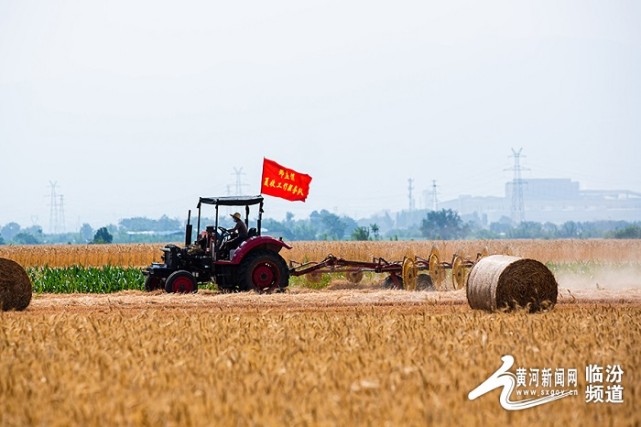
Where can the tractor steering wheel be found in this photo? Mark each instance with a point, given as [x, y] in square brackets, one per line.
[224, 232]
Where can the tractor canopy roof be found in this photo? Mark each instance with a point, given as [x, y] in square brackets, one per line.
[231, 200]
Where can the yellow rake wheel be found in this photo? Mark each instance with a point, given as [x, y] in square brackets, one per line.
[354, 276]
[436, 270]
[410, 272]
[459, 272]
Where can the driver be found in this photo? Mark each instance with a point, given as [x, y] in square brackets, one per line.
[206, 238]
[239, 232]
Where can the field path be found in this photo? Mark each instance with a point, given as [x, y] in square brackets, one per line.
[298, 299]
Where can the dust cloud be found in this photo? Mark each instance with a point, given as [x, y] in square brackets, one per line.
[625, 277]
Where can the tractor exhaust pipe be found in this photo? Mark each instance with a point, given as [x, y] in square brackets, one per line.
[188, 230]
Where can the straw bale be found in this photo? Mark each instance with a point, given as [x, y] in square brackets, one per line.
[15, 286]
[501, 282]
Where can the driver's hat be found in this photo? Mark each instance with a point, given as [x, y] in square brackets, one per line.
[236, 215]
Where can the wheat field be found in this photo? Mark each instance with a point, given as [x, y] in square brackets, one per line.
[123, 255]
[405, 365]
[561, 251]
[140, 255]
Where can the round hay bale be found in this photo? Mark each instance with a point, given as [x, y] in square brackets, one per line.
[501, 282]
[15, 286]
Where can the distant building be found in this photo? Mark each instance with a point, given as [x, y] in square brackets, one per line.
[552, 200]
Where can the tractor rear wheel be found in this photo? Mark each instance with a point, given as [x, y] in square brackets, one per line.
[263, 271]
[182, 282]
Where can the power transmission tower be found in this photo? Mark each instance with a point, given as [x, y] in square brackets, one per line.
[56, 210]
[434, 196]
[410, 187]
[239, 180]
[518, 204]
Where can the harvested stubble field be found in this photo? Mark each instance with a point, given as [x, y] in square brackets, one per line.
[332, 357]
[345, 355]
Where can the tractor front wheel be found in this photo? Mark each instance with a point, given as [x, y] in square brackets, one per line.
[263, 271]
[152, 283]
[182, 282]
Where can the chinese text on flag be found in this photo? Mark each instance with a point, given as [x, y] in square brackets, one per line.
[280, 181]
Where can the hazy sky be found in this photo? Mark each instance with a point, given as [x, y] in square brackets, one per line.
[139, 107]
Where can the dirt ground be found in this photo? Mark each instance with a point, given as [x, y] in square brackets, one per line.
[337, 297]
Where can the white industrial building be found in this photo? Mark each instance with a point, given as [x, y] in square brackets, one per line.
[551, 200]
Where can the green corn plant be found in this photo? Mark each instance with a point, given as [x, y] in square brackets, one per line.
[77, 279]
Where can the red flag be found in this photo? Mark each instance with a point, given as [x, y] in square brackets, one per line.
[280, 181]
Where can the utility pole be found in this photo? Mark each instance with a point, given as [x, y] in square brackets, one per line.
[518, 204]
[434, 196]
[53, 208]
[61, 216]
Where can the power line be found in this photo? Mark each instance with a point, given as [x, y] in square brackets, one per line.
[61, 215]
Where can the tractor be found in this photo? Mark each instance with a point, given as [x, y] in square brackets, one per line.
[254, 265]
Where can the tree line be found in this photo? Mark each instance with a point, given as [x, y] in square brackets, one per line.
[444, 224]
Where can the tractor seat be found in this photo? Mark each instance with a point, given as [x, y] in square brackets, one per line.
[252, 232]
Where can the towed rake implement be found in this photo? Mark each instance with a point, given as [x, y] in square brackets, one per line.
[412, 273]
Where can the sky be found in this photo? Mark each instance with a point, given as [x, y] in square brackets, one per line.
[137, 108]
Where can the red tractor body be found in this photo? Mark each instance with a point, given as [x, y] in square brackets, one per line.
[254, 264]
